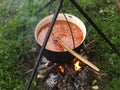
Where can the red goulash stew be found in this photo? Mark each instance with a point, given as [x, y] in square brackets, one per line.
[61, 30]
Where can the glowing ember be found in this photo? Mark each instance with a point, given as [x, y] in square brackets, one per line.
[77, 66]
[62, 69]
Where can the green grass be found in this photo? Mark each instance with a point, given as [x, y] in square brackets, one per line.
[18, 46]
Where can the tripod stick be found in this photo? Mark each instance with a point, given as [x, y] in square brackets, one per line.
[44, 44]
[95, 26]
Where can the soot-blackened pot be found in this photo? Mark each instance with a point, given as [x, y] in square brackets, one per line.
[60, 57]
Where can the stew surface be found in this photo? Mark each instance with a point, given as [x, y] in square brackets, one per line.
[61, 30]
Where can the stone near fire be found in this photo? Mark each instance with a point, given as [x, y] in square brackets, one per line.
[95, 87]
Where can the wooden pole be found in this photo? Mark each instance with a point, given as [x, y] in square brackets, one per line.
[84, 60]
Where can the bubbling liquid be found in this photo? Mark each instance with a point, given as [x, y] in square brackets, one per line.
[62, 31]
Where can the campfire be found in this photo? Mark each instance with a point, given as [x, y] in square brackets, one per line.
[74, 75]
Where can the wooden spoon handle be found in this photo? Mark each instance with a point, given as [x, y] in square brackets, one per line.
[77, 55]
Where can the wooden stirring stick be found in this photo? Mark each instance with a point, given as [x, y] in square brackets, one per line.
[59, 41]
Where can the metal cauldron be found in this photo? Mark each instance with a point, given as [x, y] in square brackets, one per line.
[60, 57]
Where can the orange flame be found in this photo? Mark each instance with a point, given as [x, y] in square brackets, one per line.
[77, 66]
[62, 69]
